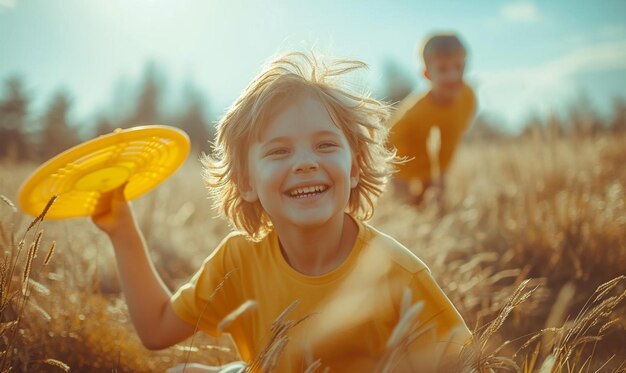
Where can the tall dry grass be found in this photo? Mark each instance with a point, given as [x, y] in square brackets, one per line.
[530, 248]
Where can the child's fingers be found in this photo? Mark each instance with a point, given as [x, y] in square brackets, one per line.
[118, 193]
[104, 203]
[110, 201]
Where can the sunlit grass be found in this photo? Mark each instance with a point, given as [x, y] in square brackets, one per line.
[532, 230]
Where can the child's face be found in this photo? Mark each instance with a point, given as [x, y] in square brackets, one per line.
[302, 170]
[445, 71]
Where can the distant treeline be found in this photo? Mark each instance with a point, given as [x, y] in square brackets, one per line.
[579, 119]
[25, 135]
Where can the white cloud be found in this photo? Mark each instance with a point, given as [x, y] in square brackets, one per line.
[605, 33]
[514, 93]
[610, 55]
[523, 11]
[7, 4]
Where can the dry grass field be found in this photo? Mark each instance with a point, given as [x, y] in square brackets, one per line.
[531, 250]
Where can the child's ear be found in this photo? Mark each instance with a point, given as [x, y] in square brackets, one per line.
[355, 172]
[426, 74]
[247, 191]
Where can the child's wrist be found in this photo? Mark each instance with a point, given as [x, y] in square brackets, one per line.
[122, 231]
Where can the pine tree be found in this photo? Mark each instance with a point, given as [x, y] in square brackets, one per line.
[13, 121]
[57, 134]
[147, 107]
[194, 123]
[398, 82]
[103, 126]
[618, 122]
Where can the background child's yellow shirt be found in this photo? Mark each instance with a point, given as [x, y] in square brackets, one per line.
[353, 309]
[411, 125]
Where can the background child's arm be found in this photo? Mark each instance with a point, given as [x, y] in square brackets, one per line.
[148, 299]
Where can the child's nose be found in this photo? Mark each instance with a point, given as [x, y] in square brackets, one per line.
[305, 163]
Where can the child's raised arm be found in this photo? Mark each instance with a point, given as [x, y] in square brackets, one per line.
[148, 299]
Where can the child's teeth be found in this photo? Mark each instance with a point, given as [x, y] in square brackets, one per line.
[307, 190]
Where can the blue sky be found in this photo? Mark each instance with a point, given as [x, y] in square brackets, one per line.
[525, 56]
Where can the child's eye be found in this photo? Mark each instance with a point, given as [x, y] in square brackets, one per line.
[327, 145]
[280, 151]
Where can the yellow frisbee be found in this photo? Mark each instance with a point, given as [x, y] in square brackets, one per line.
[142, 156]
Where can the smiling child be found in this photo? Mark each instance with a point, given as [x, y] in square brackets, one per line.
[298, 166]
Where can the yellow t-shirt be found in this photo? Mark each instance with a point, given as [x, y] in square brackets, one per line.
[353, 308]
[411, 126]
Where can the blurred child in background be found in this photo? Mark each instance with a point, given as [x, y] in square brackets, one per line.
[427, 130]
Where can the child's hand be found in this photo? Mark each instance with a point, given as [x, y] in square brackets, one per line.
[117, 215]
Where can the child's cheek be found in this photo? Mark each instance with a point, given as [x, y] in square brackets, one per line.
[269, 174]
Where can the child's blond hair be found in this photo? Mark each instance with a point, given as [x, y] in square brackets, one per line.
[361, 119]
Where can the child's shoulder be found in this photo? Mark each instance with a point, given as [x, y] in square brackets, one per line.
[469, 91]
[399, 254]
[234, 239]
[237, 252]
[411, 106]
[238, 244]
[415, 102]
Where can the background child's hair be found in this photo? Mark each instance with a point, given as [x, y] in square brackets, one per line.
[361, 118]
[442, 43]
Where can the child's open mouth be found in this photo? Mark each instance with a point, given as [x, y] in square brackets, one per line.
[308, 191]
